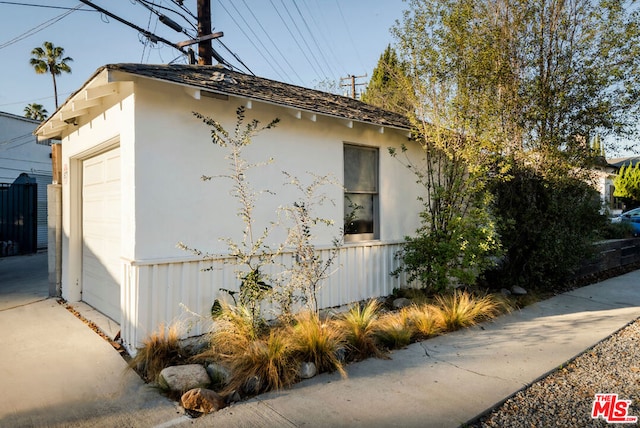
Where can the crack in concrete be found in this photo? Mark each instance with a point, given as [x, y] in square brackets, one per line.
[426, 351]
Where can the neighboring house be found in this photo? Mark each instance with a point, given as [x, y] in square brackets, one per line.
[133, 155]
[20, 153]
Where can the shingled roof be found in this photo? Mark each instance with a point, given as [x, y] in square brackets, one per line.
[224, 81]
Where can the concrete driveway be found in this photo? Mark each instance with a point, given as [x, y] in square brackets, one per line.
[57, 372]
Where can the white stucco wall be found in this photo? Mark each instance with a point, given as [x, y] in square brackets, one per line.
[174, 150]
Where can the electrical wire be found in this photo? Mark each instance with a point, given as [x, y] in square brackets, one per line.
[45, 6]
[324, 58]
[236, 57]
[294, 37]
[332, 48]
[304, 39]
[172, 11]
[272, 42]
[39, 27]
[252, 43]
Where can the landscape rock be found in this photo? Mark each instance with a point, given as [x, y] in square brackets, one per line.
[219, 374]
[307, 370]
[184, 378]
[202, 400]
[401, 302]
[518, 291]
[505, 292]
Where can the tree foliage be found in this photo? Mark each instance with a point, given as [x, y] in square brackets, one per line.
[389, 84]
[627, 183]
[538, 79]
[36, 111]
[50, 59]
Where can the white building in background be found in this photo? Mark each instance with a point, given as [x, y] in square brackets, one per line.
[133, 155]
[20, 153]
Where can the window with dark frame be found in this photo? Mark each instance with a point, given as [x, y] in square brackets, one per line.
[361, 193]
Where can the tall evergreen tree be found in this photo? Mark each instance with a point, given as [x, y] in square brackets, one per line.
[389, 84]
[50, 59]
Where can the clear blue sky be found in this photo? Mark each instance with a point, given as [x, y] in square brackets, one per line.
[303, 42]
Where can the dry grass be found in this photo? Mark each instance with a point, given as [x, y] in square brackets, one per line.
[318, 342]
[263, 364]
[424, 320]
[461, 309]
[394, 330]
[160, 350]
[232, 332]
[360, 325]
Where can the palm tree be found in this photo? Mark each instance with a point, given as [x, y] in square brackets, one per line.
[51, 60]
[36, 111]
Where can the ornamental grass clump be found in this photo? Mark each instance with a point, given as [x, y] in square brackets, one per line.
[360, 325]
[424, 321]
[266, 363]
[160, 350]
[394, 330]
[460, 309]
[318, 342]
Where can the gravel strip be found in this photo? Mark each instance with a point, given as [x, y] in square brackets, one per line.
[565, 397]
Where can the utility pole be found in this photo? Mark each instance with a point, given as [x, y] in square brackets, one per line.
[353, 83]
[205, 50]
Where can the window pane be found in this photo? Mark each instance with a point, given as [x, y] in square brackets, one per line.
[360, 169]
[358, 213]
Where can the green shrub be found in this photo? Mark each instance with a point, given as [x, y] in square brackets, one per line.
[547, 227]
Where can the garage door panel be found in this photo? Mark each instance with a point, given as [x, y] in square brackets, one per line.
[101, 220]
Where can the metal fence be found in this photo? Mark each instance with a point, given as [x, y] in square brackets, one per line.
[18, 217]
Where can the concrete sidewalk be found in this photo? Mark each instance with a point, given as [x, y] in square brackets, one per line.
[55, 371]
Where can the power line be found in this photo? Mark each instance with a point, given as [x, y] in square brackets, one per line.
[293, 37]
[314, 39]
[272, 42]
[251, 41]
[46, 6]
[165, 19]
[303, 38]
[321, 30]
[39, 27]
[187, 20]
[151, 36]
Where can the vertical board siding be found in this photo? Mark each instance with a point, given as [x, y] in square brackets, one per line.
[159, 293]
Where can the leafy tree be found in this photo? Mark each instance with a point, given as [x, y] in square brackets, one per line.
[538, 79]
[36, 111]
[50, 59]
[389, 84]
[627, 183]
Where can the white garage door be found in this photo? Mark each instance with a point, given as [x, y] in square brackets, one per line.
[101, 220]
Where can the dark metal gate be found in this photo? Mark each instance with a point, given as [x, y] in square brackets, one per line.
[18, 216]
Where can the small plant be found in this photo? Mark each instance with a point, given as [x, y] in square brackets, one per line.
[424, 320]
[460, 309]
[318, 342]
[360, 324]
[252, 253]
[160, 350]
[394, 330]
[303, 279]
